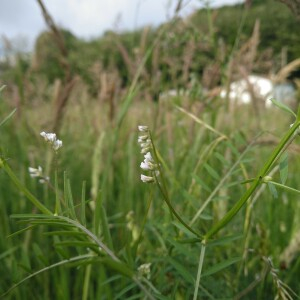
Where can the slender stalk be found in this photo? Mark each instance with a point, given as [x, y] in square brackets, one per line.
[163, 188]
[200, 265]
[87, 276]
[285, 187]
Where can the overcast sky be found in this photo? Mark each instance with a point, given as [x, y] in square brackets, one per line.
[21, 20]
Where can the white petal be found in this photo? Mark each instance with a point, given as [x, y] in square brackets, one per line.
[143, 128]
[145, 166]
[147, 179]
[148, 157]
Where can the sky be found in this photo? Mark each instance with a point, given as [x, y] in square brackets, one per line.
[21, 20]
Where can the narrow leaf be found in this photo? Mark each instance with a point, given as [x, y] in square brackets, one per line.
[66, 233]
[221, 266]
[118, 266]
[273, 190]
[283, 168]
[182, 270]
[8, 117]
[225, 240]
[212, 172]
[283, 107]
[82, 209]
[201, 183]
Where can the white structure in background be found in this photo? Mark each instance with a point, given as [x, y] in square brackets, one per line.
[242, 91]
[173, 93]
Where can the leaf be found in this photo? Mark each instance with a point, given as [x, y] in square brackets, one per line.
[218, 267]
[63, 262]
[212, 172]
[221, 158]
[283, 107]
[225, 240]
[82, 209]
[273, 190]
[182, 228]
[118, 266]
[8, 117]
[8, 252]
[66, 233]
[20, 231]
[182, 270]
[125, 290]
[283, 168]
[75, 244]
[180, 248]
[201, 183]
[30, 216]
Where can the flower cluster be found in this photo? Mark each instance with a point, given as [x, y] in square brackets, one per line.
[38, 173]
[144, 270]
[148, 164]
[52, 140]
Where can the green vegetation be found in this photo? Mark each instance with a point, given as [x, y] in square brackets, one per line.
[220, 218]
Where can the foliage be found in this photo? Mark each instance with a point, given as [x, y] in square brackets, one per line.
[221, 216]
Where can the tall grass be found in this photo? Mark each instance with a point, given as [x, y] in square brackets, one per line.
[101, 234]
[219, 220]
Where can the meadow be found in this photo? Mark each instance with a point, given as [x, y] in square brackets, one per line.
[217, 216]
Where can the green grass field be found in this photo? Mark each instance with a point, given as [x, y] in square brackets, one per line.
[218, 219]
[205, 157]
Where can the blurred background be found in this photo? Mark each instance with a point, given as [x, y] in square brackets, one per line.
[200, 74]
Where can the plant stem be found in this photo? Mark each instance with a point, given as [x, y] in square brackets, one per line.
[200, 265]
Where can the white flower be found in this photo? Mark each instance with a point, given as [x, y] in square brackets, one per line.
[51, 139]
[148, 163]
[146, 145]
[33, 172]
[145, 150]
[44, 179]
[38, 173]
[145, 166]
[147, 179]
[148, 157]
[144, 270]
[57, 144]
[142, 138]
[143, 128]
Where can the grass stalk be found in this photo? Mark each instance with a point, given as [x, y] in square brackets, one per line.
[200, 265]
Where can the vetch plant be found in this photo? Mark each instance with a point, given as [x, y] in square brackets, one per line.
[148, 164]
[93, 248]
[153, 165]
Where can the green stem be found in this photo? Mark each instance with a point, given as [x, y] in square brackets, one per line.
[264, 170]
[164, 191]
[86, 282]
[200, 265]
[174, 212]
